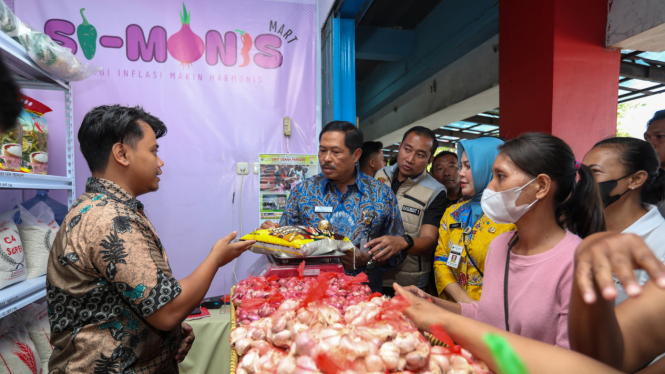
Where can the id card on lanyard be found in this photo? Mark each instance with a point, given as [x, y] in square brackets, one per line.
[455, 256]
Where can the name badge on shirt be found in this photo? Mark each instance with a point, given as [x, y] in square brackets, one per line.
[455, 225]
[453, 260]
[412, 210]
[323, 209]
[456, 249]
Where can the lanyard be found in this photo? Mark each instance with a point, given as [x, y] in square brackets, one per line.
[505, 281]
[468, 254]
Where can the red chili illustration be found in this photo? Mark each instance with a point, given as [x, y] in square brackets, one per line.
[246, 46]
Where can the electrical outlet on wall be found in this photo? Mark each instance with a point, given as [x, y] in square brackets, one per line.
[255, 167]
[287, 126]
[242, 168]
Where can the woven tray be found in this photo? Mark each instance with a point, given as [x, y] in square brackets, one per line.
[233, 357]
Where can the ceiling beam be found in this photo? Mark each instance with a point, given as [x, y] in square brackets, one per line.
[643, 72]
[350, 8]
[383, 44]
[483, 120]
[645, 91]
[361, 13]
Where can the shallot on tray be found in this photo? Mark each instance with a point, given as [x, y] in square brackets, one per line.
[333, 325]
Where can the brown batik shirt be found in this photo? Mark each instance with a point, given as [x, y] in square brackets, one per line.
[107, 272]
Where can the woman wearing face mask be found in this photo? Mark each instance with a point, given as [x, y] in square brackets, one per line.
[465, 232]
[631, 182]
[528, 276]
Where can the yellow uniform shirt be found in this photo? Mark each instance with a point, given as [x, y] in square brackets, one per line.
[474, 244]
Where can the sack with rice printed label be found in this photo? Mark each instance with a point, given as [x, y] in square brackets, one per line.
[35, 318]
[12, 262]
[18, 354]
[37, 237]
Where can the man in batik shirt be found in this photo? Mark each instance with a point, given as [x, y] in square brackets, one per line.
[113, 304]
[344, 196]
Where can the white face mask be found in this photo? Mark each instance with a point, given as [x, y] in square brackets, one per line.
[500, 206]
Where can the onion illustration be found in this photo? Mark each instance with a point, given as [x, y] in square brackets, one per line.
[185, 46]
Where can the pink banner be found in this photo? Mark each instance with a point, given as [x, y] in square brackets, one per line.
[221, 75]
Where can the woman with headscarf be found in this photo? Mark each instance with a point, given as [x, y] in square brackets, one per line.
[554, 202]
[465, 232]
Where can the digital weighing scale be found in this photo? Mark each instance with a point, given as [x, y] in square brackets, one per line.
[282, 267]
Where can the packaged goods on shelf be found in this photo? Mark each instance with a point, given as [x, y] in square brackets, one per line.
[19, 355]
[12, 148]
[292, 241]
[12, 261]
[38, 229]
[9, 23]
[34, 136]
[55, 59]
[35, 319]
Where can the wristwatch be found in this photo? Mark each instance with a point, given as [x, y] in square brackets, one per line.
[409, 241]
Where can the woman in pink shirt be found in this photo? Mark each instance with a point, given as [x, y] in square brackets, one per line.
[528, 273]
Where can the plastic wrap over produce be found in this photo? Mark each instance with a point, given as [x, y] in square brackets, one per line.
[55, 59]
[332, 324]
[298, 241]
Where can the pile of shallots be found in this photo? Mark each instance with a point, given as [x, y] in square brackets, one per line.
[260, 297]
[312, 334]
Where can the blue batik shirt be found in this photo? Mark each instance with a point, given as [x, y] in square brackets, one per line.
[365, 194]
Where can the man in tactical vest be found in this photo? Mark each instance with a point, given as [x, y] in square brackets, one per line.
[422, 201]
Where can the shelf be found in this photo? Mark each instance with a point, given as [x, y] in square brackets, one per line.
[21, 294]
[27, 73]
[25, 181]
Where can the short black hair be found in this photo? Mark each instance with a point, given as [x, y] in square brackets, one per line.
[659, 115]
[424, 131]
[369, 150]
[106, 125]
[444, 153]
[10, 102]
[353, 138]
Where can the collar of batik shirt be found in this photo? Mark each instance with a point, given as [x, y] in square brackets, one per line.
[113, 191]
[359, 183]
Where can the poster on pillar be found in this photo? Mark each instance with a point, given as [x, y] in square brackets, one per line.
[278, 175]
[221, 75]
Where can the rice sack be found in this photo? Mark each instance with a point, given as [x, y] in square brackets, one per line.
[293, 241]
[18, 352]
[38, 229]
[35, 319]
[12, 262]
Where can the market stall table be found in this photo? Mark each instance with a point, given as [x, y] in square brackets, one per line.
[211, 349]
